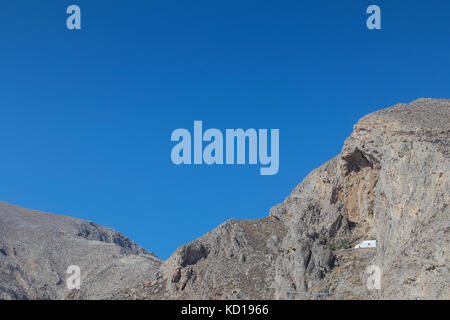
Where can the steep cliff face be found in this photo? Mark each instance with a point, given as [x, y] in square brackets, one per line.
[408, 147]
[389, 183]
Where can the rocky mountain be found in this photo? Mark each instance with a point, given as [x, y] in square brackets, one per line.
[390, 183]
[36, 248]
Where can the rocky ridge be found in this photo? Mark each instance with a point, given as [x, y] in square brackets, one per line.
[389, 183]
[36, 249]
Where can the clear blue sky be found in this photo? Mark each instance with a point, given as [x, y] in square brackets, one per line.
[86, 116]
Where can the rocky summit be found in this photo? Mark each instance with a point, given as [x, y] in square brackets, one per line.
[390, 183]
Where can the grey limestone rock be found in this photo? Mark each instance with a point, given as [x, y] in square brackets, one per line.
[36, 248]
[390, 183]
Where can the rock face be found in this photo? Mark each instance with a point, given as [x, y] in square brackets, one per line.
[408, 150]
[390, 183]
[234, 261]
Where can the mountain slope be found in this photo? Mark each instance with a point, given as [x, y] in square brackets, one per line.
[389, 183]
[36, 248]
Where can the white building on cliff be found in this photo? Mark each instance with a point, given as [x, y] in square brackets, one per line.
[367, 244]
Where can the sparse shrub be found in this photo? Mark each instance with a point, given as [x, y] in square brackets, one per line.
[344, 244]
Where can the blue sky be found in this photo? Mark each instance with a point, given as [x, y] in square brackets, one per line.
[86, 116]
